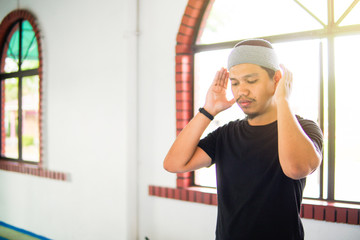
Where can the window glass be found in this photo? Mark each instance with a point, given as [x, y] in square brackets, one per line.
[10, 120]
[340, 6]
[325, 108]
[301, 57]
[11, 51]
[30, 53]
[353, 17]
[318, 8]
[231, 20]
[303, 60]
[206, 65]
[30, 114]
[347, 159]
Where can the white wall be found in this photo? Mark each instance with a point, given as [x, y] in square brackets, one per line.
[89, 63]
[109, 126]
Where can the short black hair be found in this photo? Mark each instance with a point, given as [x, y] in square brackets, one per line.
[269, 71]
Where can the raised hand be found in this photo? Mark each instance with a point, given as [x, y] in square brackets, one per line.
[284, 87]
[216, 100]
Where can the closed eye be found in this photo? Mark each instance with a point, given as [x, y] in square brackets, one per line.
[252, 81]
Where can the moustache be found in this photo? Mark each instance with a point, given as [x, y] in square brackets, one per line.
[243, 98]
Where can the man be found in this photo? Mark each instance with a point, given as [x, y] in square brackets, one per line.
[261, 161]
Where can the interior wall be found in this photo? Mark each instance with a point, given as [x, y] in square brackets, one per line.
[89, 63]
[109, 119]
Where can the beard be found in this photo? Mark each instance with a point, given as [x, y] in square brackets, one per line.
[251, 115]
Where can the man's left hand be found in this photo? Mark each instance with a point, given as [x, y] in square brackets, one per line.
[284, 87]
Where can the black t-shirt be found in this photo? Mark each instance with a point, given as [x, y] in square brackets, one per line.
[256, 200]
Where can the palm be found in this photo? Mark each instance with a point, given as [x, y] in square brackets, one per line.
[216, 100]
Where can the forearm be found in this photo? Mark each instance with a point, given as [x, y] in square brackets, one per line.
[185, 144]
[297, 153]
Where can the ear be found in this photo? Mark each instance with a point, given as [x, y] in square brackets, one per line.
[277, 77]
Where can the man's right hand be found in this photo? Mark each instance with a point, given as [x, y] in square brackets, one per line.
[216, 100]
[185, 155]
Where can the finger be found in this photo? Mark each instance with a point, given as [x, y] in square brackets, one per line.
[226, 79]
[282, 68]
[216, 78]
[221, 77]
[232, 101]
[226, 76]
[290, 82]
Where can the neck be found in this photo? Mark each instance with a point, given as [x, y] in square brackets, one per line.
[265, 118]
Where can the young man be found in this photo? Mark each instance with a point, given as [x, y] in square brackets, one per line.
[261, 161]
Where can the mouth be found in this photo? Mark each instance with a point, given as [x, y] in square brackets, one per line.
[245, 103]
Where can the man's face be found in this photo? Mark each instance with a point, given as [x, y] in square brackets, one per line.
[252, 89]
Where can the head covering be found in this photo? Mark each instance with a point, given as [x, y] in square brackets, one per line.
[255, 51]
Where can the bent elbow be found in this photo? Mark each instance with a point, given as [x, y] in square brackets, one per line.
[297, 172]
[170, 167]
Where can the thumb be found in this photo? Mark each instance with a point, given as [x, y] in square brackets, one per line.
[231, 102]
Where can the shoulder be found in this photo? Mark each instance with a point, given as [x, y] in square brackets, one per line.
[307, 124]
[226, 129]
[312, 130]
[232, 125]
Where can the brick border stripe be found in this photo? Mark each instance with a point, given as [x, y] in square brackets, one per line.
[322, 211]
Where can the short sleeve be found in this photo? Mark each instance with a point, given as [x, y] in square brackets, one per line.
[313, 131]
[208, 144]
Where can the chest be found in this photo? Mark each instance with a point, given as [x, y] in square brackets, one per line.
[248, 154]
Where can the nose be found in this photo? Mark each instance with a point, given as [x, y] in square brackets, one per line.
[243, 89]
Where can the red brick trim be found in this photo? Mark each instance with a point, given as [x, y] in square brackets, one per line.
[31, 169]
[188, 194]
[331, 211]
[310, 209]
[188, 30]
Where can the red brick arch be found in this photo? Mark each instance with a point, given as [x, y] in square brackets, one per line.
[195, 13]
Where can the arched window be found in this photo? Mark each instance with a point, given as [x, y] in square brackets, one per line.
[21, 97]
[317, 40]
[20, 76]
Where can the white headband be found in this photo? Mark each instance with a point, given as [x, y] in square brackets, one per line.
[262, 56]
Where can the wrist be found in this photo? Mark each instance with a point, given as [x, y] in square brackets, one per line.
[283, 105]
[210, 110]
[282, 101]
[206, 113]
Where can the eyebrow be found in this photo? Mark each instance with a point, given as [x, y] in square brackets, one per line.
[247, 76]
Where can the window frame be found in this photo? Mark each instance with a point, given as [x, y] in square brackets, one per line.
[17, 165]
[329, 32]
